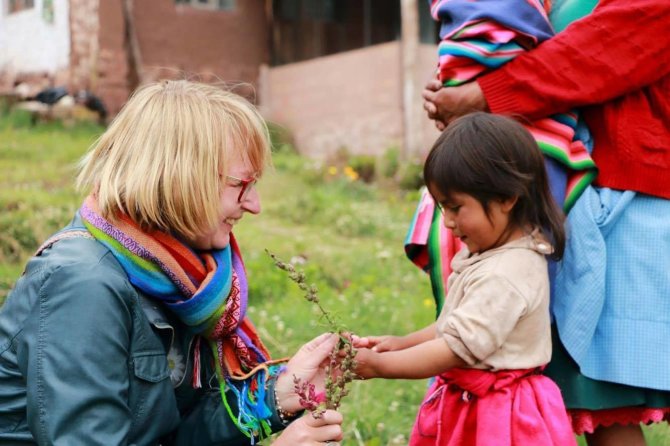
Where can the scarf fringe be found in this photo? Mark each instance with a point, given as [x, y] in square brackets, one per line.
[253, 413]
[196, 382]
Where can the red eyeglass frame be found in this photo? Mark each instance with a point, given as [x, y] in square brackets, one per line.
[247, 184]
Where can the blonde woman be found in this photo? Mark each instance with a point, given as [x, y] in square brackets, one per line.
[129, 326]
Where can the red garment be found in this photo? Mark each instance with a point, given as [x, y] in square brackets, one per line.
[470, 407]
[615, 64]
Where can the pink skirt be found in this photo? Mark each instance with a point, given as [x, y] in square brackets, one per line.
[481, 408]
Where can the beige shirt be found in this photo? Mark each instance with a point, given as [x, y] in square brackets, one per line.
[496, 313]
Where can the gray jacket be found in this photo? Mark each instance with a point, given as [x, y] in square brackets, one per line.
[84, 360]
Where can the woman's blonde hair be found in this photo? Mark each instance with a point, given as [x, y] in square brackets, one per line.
[162, 159]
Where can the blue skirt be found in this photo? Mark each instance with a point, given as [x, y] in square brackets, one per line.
[611, 292]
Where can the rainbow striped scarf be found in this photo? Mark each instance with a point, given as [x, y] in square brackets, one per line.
[208, 293]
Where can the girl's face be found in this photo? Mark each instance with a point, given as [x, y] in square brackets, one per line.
[469, 221]
[231, 210]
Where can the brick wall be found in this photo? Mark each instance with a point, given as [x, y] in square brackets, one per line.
[351, 99]
[178, 41]
[112, 64]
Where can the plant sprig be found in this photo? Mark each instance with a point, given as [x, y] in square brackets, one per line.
[341, 363]
[311, 291]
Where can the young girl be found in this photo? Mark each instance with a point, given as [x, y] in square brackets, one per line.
[492, 339]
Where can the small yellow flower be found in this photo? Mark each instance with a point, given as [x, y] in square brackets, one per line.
[351, 173]
[332, 170]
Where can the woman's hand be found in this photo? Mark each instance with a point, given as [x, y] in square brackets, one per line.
[308, 366]
[307, 430]
[444, 104]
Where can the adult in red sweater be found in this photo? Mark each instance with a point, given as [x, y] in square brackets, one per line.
[614, 65]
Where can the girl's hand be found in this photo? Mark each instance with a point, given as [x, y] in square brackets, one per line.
[386, 343]
[311, 431]
[366, 363]
[307, 365]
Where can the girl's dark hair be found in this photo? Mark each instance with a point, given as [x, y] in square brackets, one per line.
[493, 157]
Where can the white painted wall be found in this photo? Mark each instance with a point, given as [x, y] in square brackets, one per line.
[28, 43]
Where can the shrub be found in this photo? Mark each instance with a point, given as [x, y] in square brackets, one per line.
[411, 176]
[281, 138]
[364, 166]
[390, 162]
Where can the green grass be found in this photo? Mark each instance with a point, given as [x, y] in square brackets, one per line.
[350, 235]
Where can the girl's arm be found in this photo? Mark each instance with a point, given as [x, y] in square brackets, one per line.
[421, 361]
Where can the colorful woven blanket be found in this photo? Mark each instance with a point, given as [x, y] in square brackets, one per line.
[431, 246]
[208, 292]
[479, 36]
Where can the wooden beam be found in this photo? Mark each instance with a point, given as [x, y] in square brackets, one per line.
[411, 99]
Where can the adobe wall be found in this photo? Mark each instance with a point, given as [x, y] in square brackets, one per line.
[351, 100]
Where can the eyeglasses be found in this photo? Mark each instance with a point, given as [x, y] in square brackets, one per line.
[246, 186]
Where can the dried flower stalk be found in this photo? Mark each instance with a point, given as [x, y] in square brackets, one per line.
[339, 371]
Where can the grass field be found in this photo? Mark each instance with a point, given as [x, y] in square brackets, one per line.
[349, 235]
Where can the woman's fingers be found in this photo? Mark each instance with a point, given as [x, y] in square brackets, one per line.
[310, 431]
[305, 365]
[327, 427]
[328, 417]
[315, 351]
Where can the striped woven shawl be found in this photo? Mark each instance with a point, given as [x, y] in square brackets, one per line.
[478, 36]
